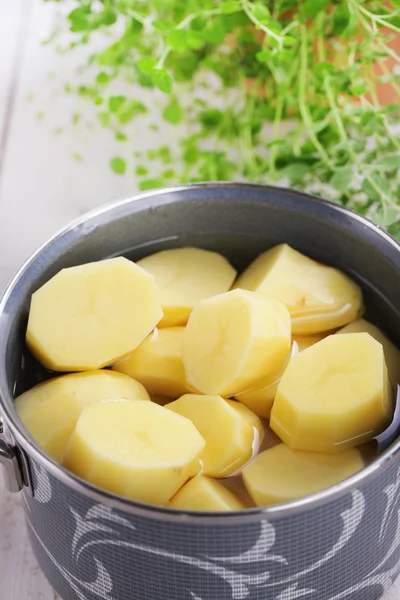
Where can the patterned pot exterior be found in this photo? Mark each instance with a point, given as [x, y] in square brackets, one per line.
[348, 548]
[343, 543]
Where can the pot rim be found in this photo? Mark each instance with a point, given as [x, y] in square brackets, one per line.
[34, 451]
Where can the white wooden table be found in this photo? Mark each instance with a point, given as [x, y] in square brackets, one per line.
[41, 188]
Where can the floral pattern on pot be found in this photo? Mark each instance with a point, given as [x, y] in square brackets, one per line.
[347, 549]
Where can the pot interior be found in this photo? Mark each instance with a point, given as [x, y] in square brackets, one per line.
[239, 221]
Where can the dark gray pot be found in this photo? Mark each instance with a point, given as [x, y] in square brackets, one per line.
[342, 543]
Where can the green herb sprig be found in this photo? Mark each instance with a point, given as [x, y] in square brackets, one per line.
[293, 94]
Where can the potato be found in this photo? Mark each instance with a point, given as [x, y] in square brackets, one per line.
[234, 339]
[261, 399]
[318, 297]
[306, 341]
[184, 277]
[392, 354]
[261, 396]
[334, 395]
[51, 409]
[251, 419]
[90, 316]
[282, 475]
[203, 493]
[229, 437]
[157, 363]
[135, 449]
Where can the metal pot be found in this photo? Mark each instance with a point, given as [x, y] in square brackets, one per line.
[341, 543]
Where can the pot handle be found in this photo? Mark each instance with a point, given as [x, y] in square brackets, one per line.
[11, 464]
[12, 475]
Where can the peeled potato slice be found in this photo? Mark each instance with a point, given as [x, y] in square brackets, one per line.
[157, 363]
[251, 419]
[229, 437]
[260, 398]
[234, 339]
[334, 395]
[318, 297]
[392, 354]
[51, 409]
[90, 316]
[184, 277]
[135, 449]
[282, 475]
[203, 493]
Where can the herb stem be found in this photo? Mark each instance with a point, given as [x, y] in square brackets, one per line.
[389, 51]
[344, 138]
[279, 114]
[163, 57]
[307, 119]
[184, 23]
[289, 27]
[247, 9]
[246, 139]
[393, 83]
[374, 18]
[206, 13]
[135, 15]
[378, 108]
[275, 134]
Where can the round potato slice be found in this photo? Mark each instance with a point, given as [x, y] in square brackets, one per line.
[90, 316]
[233, 340]
[319, 298]
[231, 439]
[334, 395]
[135, 449]
[392, 354]
[281, 475]
[184, 277]
[205, 494]
[51, 409]
[157, 363]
